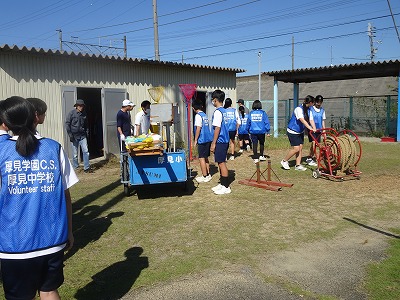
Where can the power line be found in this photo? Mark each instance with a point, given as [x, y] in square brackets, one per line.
[281, 34]
[282, 45]
[394, 21]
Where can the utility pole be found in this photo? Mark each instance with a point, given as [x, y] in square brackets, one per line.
[60, 38]
[155, 25]
[125, 48]
[292, 52]
[371, 34]
[259, 75]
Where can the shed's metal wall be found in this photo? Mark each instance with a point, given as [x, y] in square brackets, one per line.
[41, 76]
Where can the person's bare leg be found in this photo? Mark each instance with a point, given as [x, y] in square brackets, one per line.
[203, 166]
[292, 152]
[53, 295]
[299, 155]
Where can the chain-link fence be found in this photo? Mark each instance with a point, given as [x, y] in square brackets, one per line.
[366, 115]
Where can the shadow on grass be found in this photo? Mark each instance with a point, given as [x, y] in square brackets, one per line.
[373, 229]
[172, 189]
[77, 205]
[88, 228]
[115, 281]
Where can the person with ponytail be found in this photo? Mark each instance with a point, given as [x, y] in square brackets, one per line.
[295, 131]
[35, 206]
[3, 131]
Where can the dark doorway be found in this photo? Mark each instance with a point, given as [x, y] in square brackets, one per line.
[92, 98]
[200, 96]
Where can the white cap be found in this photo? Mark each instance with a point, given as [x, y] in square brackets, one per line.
[127, 102]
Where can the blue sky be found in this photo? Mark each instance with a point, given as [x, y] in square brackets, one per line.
[225, 33]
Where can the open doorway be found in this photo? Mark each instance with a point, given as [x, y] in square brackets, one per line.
[200, 96]
[92, 98]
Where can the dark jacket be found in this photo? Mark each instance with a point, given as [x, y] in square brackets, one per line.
[76, 124]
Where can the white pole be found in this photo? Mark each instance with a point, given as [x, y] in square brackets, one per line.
[259, 75]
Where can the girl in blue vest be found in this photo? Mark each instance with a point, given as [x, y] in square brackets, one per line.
[220, 142]
[258, 125]
[233, 120]
[35, 206]
[319, 117]
[295, 132]
[202, 138]
[243, 134]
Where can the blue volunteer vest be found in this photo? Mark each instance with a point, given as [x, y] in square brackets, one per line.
[295, 124]
[231, 118]
[317, 116]
[33, 214]
[205, 132]
[242, 128]
[4, 137]
[223, 137]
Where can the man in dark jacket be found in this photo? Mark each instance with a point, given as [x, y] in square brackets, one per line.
[77, 129]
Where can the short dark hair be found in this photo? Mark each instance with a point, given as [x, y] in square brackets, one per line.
[319, 98]
[257, 104]
[197, 105]
[145, 103]
[219, 95]
[228, 102]
[39, 105]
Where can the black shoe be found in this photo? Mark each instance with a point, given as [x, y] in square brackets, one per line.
[88, 171]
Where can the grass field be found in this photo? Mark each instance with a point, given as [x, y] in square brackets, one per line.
[164, 232]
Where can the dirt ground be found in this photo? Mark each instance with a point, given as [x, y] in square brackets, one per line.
[334, 268]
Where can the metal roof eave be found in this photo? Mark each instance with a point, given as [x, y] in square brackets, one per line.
[340, 72]
[41, 51]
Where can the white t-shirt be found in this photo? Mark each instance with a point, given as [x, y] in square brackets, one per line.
[217, 118]
[144, 121]
[198, 121]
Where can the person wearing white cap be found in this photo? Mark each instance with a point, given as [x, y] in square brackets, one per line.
[124, 122]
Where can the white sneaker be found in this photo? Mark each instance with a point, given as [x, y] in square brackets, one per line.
[216, 188]
[255, 160]
[285, 164]
[248, 147]
[232, 158]
[309, 159]
[262, 158]
[312, 163]
[223, 190]
[241, 151]
[207, 178]
[200, 179]
[300, 168]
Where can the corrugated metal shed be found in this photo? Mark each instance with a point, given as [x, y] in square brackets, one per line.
[49, 75]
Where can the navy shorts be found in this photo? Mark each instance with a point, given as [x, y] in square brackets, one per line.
[23, 278]
[316, 135]
[221, 149]
[232, 135]
[295, 139]
[204, 150]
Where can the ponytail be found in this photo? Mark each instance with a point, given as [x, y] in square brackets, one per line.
[19, 115]
[308, 99]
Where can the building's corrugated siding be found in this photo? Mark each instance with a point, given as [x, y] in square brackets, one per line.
[30, 75]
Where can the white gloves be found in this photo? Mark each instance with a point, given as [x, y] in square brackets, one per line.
[122, 137]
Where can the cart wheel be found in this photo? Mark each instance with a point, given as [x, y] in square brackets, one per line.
[316, 174]
[126, 190]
